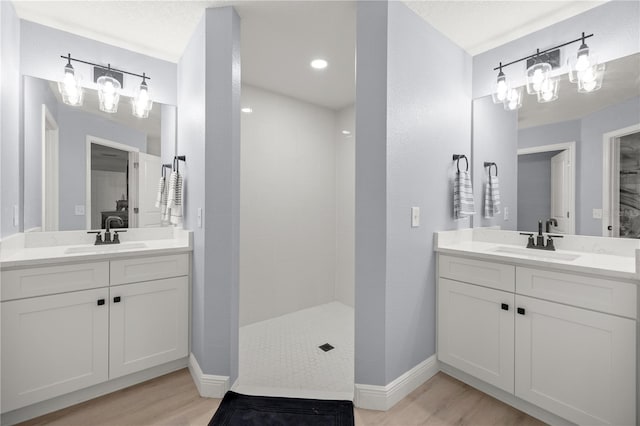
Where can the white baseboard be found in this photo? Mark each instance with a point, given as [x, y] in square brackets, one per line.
[209, 385]
[382, 398]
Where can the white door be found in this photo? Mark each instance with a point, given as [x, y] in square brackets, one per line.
[52, 345]
[148, 324]
[560, 210]
[475, 331]
[149, 171]
[50, 166]
[576, 363]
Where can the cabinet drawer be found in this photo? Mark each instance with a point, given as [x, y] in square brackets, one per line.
[488, 274]
[599, 294]
[39, 281]
[148, 268]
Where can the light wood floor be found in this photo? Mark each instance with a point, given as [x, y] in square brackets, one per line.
[173, 400]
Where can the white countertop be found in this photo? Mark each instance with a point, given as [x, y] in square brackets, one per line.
[608, 257]
[25, 250]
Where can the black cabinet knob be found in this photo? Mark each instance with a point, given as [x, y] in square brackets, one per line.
[521, 311]
[505, 307]
[116, 299]
[100, 302]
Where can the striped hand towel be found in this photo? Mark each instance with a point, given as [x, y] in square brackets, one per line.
[492, 197]
[463, 196]
[174, 205]
[161, 190]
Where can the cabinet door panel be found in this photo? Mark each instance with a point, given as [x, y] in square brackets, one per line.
[53, 345]
[148, 324]
[475, 333]
[576, 363]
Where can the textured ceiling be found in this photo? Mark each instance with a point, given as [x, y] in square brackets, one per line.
[280, 38]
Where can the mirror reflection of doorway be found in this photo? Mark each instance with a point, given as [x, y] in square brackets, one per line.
[623, 163]
[546, 187]
[109, 186]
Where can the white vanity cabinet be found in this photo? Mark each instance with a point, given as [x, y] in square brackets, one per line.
[561, 341]
[61, 334]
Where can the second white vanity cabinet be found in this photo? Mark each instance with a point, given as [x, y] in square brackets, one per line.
[564, 342]
[60, 334]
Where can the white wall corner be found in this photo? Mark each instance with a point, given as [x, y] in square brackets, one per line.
[209, 385]
[382, 398]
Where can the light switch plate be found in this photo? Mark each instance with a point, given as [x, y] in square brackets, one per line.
[506, 213]
[199, 217]
[16, 216]
[597, 213]
[415, 217]
[79, 210]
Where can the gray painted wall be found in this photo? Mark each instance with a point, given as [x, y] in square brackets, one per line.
[408, 127]
[495, 136]
[36, 93]
[74, 126]
[534, 187]
[10, 125]
[209, 135]
[617, 34]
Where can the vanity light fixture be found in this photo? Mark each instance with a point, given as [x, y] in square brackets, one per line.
[108, 92]
[141, 103]
[69, 87]
[584, 70]
[501, 87]
[109, 81]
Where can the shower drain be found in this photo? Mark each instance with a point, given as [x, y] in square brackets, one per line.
[326, 347]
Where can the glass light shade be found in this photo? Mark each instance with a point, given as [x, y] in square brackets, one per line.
[500, 89]
[590, 79]
[514, 99]
[108, 93]
[580, 63]
[70, 88]
[141, 103]
[548, 91]
[536, 74]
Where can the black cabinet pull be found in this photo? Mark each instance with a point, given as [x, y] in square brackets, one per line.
[505, 307]
[521, 311]
[100, 302]
[116, 299]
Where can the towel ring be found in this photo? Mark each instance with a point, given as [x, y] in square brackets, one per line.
[489, 164]
[457, 157]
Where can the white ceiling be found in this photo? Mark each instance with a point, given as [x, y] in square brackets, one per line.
[279, 38]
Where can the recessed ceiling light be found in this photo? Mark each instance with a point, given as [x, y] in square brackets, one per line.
[319, 64]
[346, 132]
[247, 110]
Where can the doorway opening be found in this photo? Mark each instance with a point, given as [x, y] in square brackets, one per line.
[546, 187]
[621, 183]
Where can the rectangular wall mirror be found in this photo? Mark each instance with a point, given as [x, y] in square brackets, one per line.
[82, 165]
[577, 159]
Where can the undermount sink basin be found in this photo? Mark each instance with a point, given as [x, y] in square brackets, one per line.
[536, 253]
[105, 248]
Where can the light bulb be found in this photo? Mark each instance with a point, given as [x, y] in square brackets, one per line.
[583, 62]
[537, 79]
[141, 103]
[501, 90]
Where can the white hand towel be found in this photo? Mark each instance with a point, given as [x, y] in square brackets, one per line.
[463, 204]
[175, 198]
[161, 190]
[492, 197]
[170, 195]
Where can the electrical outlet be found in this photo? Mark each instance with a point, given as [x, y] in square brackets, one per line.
[506, 213]
[415, 217]
[79, 210]
[597, 213]
[199, 217]
[16, 216]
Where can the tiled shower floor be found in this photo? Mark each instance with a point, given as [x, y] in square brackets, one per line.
[281, 356]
